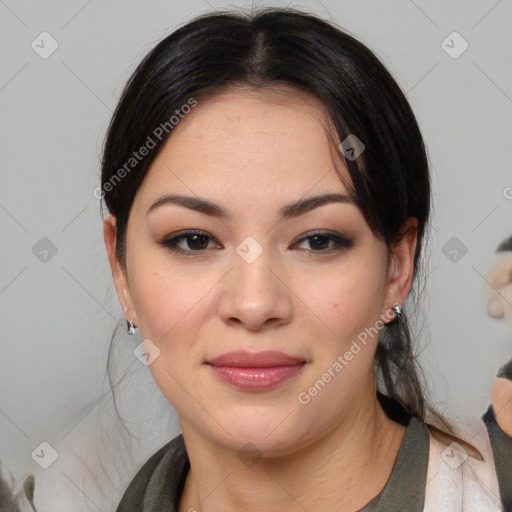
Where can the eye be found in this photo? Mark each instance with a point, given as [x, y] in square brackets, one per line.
[197, 242]
[320, 240]
[194, 242]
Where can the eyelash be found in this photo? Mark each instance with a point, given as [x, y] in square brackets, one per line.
[172, 243]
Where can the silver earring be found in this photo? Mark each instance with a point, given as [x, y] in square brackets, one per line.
[397, 309]
[131, 328]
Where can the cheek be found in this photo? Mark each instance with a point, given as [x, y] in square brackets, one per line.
[171, 307]
[164, 294]
[349, 299]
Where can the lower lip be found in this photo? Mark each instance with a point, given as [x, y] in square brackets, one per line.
[256, 378]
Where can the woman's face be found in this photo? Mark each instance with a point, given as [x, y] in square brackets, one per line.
[253, 280]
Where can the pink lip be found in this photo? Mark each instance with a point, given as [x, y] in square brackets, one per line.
[245, 359]
[255, 371]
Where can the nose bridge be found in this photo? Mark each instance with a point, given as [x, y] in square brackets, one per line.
[254, 292]
[252, 277]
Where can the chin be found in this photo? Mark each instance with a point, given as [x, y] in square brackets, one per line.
[253, 435]
[273, 438]
[257, 446]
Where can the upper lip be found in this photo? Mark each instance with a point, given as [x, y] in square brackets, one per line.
[245, 359]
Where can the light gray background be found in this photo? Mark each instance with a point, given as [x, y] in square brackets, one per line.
[57, 316]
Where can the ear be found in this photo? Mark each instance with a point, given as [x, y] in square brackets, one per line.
[119, 273]
[401, 265]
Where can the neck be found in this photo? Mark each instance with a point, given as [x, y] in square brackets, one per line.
[330, 474]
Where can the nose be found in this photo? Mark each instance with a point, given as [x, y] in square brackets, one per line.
[255, 294]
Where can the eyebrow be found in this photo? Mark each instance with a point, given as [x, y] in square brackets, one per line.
[214, 210]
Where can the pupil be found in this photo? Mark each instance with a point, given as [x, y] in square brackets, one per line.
[321, 245]
[194, 239]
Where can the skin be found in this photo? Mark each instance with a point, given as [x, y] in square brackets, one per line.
[499, 306]
[252, 153]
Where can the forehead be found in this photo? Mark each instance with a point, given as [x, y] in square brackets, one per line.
[265, 143]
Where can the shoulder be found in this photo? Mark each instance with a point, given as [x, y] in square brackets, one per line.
[151, 475]
[459, 482]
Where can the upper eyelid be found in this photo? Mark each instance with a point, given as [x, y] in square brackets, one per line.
[307, 234]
